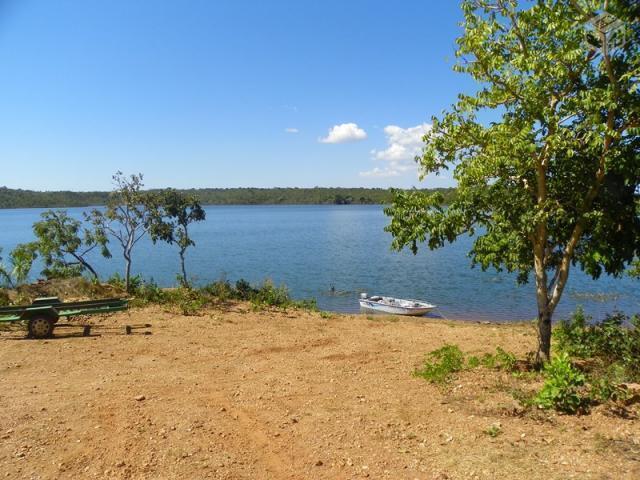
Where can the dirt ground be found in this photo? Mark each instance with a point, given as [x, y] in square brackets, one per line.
[237, 394]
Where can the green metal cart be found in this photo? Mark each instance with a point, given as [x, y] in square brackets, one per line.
[42, 315]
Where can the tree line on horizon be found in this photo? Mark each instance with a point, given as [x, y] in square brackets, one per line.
[18, 198]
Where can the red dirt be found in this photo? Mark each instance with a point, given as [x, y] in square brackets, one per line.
[239, 394]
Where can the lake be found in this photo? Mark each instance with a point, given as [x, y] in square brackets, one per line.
[334, 252]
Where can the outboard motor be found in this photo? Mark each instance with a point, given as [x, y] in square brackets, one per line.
[363, 296]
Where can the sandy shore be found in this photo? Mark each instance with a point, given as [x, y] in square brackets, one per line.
[266, 395]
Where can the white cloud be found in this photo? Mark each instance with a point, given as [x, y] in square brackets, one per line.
[291, 130]
[403, 144]
[345, 132]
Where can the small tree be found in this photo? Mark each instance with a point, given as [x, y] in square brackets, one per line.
[554, 180]
[21, 260]
[176, 212]
[61, 246]
[4, 272]
[128, 216]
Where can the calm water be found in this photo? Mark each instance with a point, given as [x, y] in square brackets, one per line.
[312, 248]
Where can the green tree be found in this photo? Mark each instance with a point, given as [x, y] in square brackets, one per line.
[63, 244]
[4, 272]
[21, 260]
[127, 217]
[553, 181]
[175, 213]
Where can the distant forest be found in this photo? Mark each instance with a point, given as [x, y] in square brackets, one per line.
[15, 198]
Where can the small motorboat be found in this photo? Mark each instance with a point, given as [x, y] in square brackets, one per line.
[394, 306]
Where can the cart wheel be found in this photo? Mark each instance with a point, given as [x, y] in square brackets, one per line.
[40, 327]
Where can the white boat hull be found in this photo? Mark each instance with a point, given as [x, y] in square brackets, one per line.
[394, 306]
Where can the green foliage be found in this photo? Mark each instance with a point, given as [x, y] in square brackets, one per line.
[554, 180]
[634, 271]
[268, 295]
[244, 290]
[614, 343]
[129, 214]
[473, 361]
[441, 364]
[175, 212]
[21, 258]
[188, 301]
[118, 281]
[10, 198]
[222, 290]
[493, 430]
[5, 275]
[63, 244]
[501, 360]
[606, 388]
[146, 293]
[562, 386]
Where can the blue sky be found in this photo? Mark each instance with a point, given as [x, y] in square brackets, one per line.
[222, 93]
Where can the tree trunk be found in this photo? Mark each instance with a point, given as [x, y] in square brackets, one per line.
[127, 273]
[86, 265]
[185, 282]
[543, 354]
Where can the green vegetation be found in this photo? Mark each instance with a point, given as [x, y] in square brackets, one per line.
[612, 345]
[190, 301]
[129, 215]
[14, 198]
[176, 212]
[441, 364]
[62, 247]
[554, 180]
[594, 365]
[494, 430]
[562, 385]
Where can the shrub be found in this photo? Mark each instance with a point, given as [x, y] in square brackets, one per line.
[615, 340]
[244, 290]
[562, 385]
[117, 281]
[268, 295]
[441, 364]
[188, 301]
[501, 360]
[220, 289]
[150, 292]
[494, 430]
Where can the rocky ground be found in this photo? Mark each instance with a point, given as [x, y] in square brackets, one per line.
[237, 394]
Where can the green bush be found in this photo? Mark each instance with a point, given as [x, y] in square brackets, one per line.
[562, 386]
[615, 340]
[135, 282]
[149, 292]
[244, 290]
[441, 364]
[188, 301]
[501, 360]
[268, 295]
[221, 289]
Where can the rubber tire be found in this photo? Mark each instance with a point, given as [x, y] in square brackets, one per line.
[40, 327]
